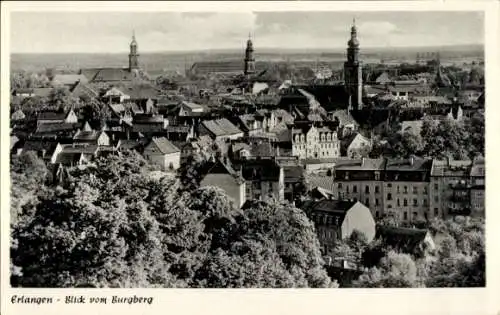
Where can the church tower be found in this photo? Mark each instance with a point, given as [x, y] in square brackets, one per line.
[249, 59]
[353, 71]
[133, 57]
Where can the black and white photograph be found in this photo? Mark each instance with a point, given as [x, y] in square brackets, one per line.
[247, 149]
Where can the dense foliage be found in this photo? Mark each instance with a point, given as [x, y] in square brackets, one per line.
[113, 224]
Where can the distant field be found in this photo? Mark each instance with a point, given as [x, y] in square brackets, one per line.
[156, 63]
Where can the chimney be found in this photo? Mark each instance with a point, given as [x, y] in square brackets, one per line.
[448, 160]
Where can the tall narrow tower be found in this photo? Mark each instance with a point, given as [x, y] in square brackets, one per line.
[353, 71]
[133, 57]
[249, 59]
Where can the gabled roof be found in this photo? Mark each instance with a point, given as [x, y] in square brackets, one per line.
[57, 127]
[164, 146]
[412, 164]
[106, 74]
[40, 145]
[68, 79]
[87, 135]
[337, 208]
[261, 170]
[347, 164]
[405, 239]
[344, 117]
[221, 127]
[49, 115]
[221, 167]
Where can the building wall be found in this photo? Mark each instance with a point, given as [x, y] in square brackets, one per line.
[316, 145]
[410, 199]
[103, 139]
[358, 218]
[359, 145]
[168, 162]
[71, 118]
[477, 202]
[227, 183]
[369, 193]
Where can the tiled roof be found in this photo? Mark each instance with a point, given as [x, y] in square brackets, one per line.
[165, 146]
[265, 170]
[52, 116]
[57, 127]
[412, 164]
[322, 181]
[338, 208]
[39, 145]
[452, 168]
[86, 135]
[147, 119]
[405, 239]
[69, 79]
[293, 173]
[344, 117]
[42, 92]
[147, 127]
[221, 167]
[117, 108]
[360, 164]
[80, 148]
[221, 127]
[68, 158]
[106, 74]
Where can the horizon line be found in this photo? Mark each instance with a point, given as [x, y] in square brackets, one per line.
[261, 48]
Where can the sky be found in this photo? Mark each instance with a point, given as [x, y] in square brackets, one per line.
[110, 32]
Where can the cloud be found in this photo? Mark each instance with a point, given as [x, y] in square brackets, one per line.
[377, 28]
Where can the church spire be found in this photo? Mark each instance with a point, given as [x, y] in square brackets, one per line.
[249, 58]
[133, 57]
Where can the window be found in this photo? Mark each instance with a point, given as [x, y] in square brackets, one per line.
[415, 202]
[389, 185]
[367, 202]
[347, 188]
[405, 216]
[425, 190]
[436, 198]
[389, 196]
[415, 215]
[376, 201]
[339, 185]
[399, 204]
[389, 206]
[436, 187]
[405, 202]
[415, 190]
[367, 189]
[406, 189]
[377, 189]
[436, 212]
[377, 214]
[397, 189]
[354, 189]
[424, 202]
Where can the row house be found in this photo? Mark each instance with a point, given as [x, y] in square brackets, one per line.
[383, 184]
[220, 130]
[406, 187]
[265, 179]
[337, 219]
[222, 175]
[457, 187]
[362, 180]
[51, 117]
[163, 153]
[310, 142]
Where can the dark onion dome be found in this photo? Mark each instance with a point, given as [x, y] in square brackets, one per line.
[249, 44]
[353, 42]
